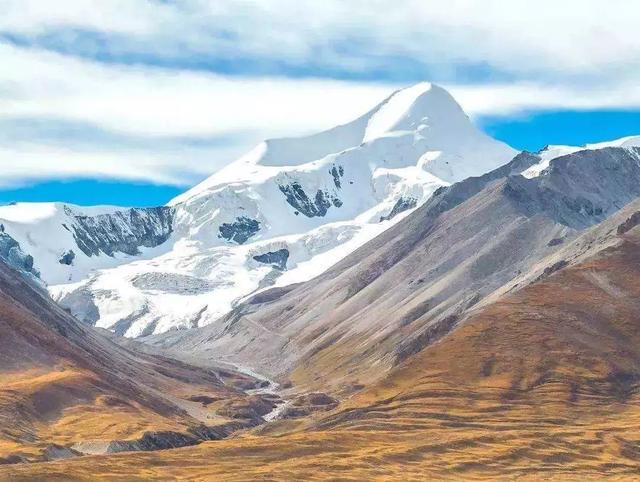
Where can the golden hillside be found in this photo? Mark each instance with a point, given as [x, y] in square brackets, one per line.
[540, 385]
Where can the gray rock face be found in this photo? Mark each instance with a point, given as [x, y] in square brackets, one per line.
[630, 223]
[580, 189]
[401, 205]
[59, 452]
[13, 255]
[67, 258]
[240, 230]
[151, 441]
[337, 173]
[297, 198]
[122, 231]
[123, 324]
[277, 259]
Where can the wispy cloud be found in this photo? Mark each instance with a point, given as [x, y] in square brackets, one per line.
[169, 91]
[546, 38]
[75, 117]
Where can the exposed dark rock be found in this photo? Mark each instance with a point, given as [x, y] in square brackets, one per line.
[219, 432]
[149, 441]
[204, 399]
[240, 230]
[402, 204]
[428, 335]
[630, 223]
[416, 312]
[299, 200]
[58, 452]
[149, 329]
[554, 267]
[555, 242]
[581, 189]
[277, 259]
[12, 459]
[337, 173]
[122, 231]
[67, 258]
[121, 327]
[163, 440]
[271, 294]
[13, 255]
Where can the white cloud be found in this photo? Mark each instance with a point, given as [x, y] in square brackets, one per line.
[547, 38]
[154, 101]
[571, 54]
[27, 162]
[508, 99]
[185, 124]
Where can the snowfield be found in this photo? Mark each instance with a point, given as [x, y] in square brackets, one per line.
[283, 213]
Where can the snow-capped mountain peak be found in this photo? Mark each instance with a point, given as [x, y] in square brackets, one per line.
[282, 213]
[425, 112]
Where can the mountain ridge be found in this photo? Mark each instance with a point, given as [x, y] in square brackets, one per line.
[412, 284]
[311, 199]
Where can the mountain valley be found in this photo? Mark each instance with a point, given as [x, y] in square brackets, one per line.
[398, 298]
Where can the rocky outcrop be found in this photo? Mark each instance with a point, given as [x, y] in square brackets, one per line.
[630, 223]
[162, 440]
[149, 441]
[318, 206]
[277, 259]
[401, 205]
[59, 452]
[67, 258]
[123, 231]
[240, 230]
[12, 254]
[549, 270]
[337, 173]
[580, 189]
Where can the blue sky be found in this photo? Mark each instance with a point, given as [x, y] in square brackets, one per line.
[130, 102]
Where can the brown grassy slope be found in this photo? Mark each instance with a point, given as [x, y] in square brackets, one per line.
[540, 385]
[61, 382]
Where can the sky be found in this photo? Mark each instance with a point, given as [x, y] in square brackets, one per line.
[130, 102]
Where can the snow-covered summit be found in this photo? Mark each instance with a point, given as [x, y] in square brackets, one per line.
[425, 112]
[282, 213]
